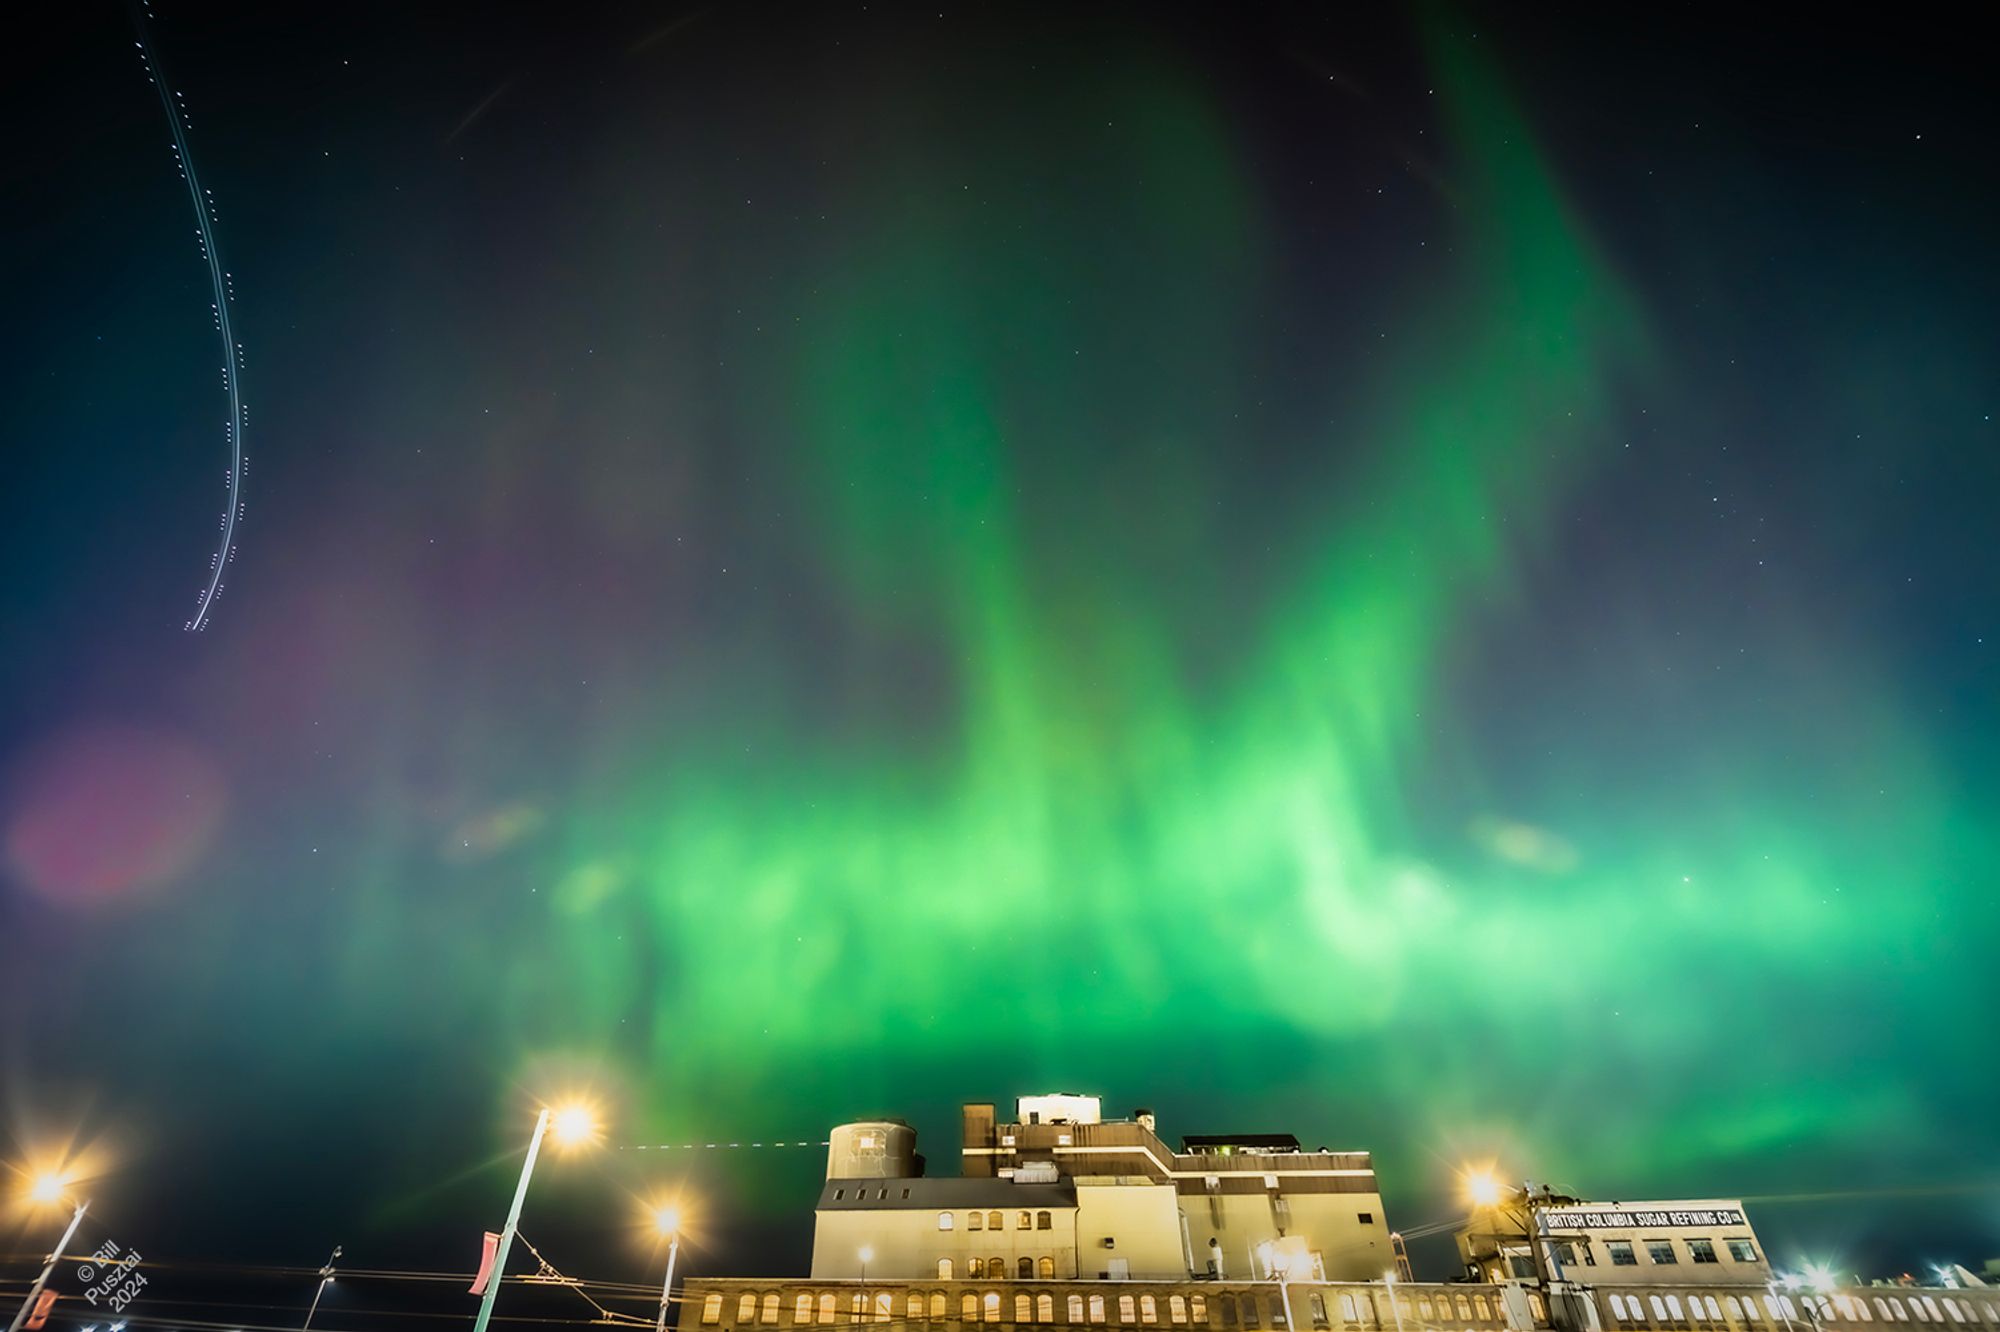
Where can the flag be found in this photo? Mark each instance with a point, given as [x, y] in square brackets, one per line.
[491, 1247]
[43, 1303]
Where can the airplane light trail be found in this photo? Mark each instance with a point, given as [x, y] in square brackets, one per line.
[225, 294]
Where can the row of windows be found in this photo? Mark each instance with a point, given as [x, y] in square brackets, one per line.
[994, 1220]
[1779, 1310]
[995, 1268]
[1246, 1311]
[1660, 1252]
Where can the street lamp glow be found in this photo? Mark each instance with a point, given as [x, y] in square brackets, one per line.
[667, 1220]
[1483, 1188]
[47, 1187]
[574, 1125]
[867, 1253]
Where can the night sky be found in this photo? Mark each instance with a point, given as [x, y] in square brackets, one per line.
[1421, 579]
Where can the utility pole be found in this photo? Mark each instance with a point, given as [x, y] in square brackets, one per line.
[35, 1291]
[325, 1277]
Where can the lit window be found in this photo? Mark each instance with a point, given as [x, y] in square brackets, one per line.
[1674, 1308]
[1714, 1312]
[885, 1307]
[973, 1220]
[1045, 1308]
[1023, 1309]
[1703, 1251]
[1661, 1251]
[992, 1303]
[1097, 1308]
[1347, 1310]
[1198, 1309]
[1025, 1222]
[1062, 1139]
[1464, 1309]
[1621, 1253]
[937, 1306]
[1316, 1303]
[802, 1309]
[1735, 1309]
[944, 1269]
[1128, 1309]
[1043, 1221]
[1479, 1308]
[1149, 1309]
[1659, 1308]
[1074, 1305]
[996, 1268]
[1618, 1308]
[711, 1309]
[770, 1311]
[826, 1306]
[944, 1220]
[1536, 1307]
[975, 1267]
[915, 1307]
[1045, 1267]
[968, 1308]
[993, 1221]
[1741, 1251]
[1424, 1307]
[746, 1309]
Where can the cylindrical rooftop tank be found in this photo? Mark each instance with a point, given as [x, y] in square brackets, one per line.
[872, 1149]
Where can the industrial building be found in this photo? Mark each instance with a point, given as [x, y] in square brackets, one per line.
[1061, 1217]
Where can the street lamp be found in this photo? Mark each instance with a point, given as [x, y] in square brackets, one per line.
[1389, 1283]
[867, 1253]
[667, 1220]
[48, 1187]
[325, 1280]
[1279, 1263]
[574, 1125]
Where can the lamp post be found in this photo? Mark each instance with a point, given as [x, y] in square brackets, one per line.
[325, 1278]
[867, 1252]
[668, 1220]
[1280, 1265]
[47, 1189]
[1395, 1307]
[573, 1125]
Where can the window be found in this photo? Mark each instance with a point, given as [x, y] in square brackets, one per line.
[1565, 1253]
[1024, 1268]
[1198, 1308]
[974, 1267]
[857, 1307]
[1365, 1218]
[1043, 1221]
[746, 1308]
[885, 1307]
[973, 1220]
[1025, 1221]
[1714, 1311]
[1097, 1308]
[1127, 1309]
[802, 1309]
[1618, 1308]
[1674, 1309]
[944, 1220]
[1149, 1309]
[996, 1268]
[992, 1303]
[838, 1194]
[1735, 1309]
[944, 1269]
[1075, 1308]
[1250, 1311]
[1316, 1303]
[915, 1307]
[1741, 1251]
[1347, 1309]
[1045, 1267]
[968, 1308]
[994, 1221]
[1702, 1250]
[1661, 1251]
[1770, 1308]
[1045, 1308]
[1479, 1308]
[826, 1306]
[1226, 1305]
[1621, 1253]
[937, 1306]
[770, 1313]
[1659, 1308]
[1424, 1308]
[1537, 1308]
[1024, 1309]
[711, 1309]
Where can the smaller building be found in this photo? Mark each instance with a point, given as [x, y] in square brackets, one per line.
[1544, 1236]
